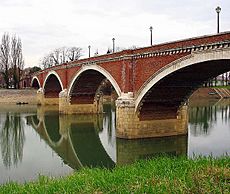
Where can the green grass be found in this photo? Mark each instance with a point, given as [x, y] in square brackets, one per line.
[227, 87]
[159, 175]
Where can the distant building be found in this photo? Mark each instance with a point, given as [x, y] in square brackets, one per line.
[27, 75]
[25, 81]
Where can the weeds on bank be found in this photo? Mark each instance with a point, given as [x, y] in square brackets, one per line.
[159, 175]
[226, 87]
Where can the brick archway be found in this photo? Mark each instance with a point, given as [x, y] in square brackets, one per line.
[56, 75]
[52, 85]
[94, 76]
[35, 83]
[191, 71]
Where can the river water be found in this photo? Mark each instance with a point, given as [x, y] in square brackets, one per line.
[38, 141]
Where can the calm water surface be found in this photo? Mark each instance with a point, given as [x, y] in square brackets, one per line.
[37, 141]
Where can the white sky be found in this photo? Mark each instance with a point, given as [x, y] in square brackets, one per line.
[44, 25]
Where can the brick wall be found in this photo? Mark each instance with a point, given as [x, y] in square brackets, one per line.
[131, 73]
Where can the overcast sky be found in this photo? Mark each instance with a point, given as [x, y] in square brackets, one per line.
[44, 25]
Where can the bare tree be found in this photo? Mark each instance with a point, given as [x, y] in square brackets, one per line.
[60, 55]
[74, 53]
[56, 55]
[5, 58]
[46, 62]
[11, 59]
[17, 62]
[63, 54]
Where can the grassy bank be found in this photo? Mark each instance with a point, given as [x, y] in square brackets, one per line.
[226, 87]
[160, 175]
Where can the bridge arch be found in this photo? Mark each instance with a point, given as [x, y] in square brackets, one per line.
[96, 155]
[35, 121]
[35, 83]
[197, 60]
[52, 85]
[99, 73]
[52, 133]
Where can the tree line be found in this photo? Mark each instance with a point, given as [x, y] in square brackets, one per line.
[67, 54]
[61, 55]
[11, 60]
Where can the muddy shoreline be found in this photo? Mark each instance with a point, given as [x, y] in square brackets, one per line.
[12, 96]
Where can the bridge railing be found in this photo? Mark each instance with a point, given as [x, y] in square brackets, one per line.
[201, 40]
[189, 49]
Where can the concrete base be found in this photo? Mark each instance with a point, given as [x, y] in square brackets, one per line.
[66, 107]
[129, 126]
[50, 101]
[41, 100]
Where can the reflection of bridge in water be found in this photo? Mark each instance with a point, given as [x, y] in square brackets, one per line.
[89, 140]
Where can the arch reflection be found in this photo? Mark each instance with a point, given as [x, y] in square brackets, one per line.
[51, 122]
[90, 140]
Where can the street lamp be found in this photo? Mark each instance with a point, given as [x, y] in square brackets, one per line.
[151, 35]
[89, 50]
[113, 39]
[218, 9]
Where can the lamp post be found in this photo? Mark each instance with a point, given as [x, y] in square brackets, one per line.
[113, 39]
[89, 50]
[151, 35]
[218, 9]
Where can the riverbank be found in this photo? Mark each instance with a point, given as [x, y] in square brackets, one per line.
[28, 96]
[211, 93]
[159, 175]
[13, 96]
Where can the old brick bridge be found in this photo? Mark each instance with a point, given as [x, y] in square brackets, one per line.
[152, 83]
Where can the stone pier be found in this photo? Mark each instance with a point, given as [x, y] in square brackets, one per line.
[129, 126]
[66, 107]
[42, 100]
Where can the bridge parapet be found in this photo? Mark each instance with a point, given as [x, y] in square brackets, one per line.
[185, 49]
[186, 43]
